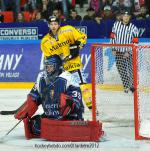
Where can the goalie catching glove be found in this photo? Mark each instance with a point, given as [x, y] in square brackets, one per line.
[66, 105]
[27, 109]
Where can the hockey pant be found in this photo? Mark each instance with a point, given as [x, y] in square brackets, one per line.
[125, 69]
[85, 88]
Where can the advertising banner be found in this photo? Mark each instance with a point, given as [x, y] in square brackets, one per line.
[19, 62]
[36, 30]
[22, 62]
[23, 31]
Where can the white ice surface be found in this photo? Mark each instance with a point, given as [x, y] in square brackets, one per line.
[116, 138]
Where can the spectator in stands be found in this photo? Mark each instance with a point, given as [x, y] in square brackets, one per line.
[11, 5]
[107, 13]
[20, 17]
[30, 5]
[107, 2]
[44, 6]
[90, 14]
[136, 8]
[58, 13]
[95, 4]
[115, 5]
[118, 15]
[143, 13]
[125, 4]
[98, 18]
[74, 16]
[38, 17]
[80, 2]
[1, 18]
[147, 3]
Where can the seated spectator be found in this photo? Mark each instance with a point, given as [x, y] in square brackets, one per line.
[20, 17]
[95, 4]
[39, 17]
[74, 16]
[125, 4]
[107, 13]
[118, 15]
[58, 13]
[98, 18]
[1, 18]
[143, 13]
[147, 3]
[115, 5]
[136, 9]
[90, 14]
[11, 5]
[107, 2]
[44, 6]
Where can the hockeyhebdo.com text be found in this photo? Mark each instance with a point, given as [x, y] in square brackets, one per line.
[67, 145]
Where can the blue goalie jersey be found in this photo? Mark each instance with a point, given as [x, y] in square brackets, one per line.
[47, 93]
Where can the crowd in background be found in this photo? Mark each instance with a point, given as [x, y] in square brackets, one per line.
[66, 9]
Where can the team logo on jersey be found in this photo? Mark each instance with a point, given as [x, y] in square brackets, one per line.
[51, 94]
[60, 45]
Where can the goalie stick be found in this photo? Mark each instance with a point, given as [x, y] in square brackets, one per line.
[3, 138]
[10, 112]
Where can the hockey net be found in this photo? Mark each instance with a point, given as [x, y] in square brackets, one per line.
[113, 101]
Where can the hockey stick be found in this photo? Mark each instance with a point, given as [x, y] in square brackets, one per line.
[10, 112]
[3, 138]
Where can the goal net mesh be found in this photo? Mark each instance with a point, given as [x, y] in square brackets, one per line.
[115, 75]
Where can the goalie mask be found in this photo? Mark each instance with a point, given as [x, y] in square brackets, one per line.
[53, 66]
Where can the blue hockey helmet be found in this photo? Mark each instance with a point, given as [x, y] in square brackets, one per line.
[53, 65]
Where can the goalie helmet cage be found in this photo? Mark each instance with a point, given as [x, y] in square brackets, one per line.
[109, 99]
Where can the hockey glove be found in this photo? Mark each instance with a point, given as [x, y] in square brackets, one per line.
[66, 105]
[74, 49]
[27, 109]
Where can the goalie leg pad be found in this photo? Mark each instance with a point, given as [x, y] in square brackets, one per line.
[28, 128]
[71, 130]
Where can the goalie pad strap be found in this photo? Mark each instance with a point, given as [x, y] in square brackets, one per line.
[54, 130]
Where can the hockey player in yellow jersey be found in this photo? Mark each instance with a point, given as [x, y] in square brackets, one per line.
[65, 41]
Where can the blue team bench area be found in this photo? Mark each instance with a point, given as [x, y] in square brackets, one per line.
[21, 61]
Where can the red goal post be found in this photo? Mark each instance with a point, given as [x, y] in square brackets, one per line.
[134, 106]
